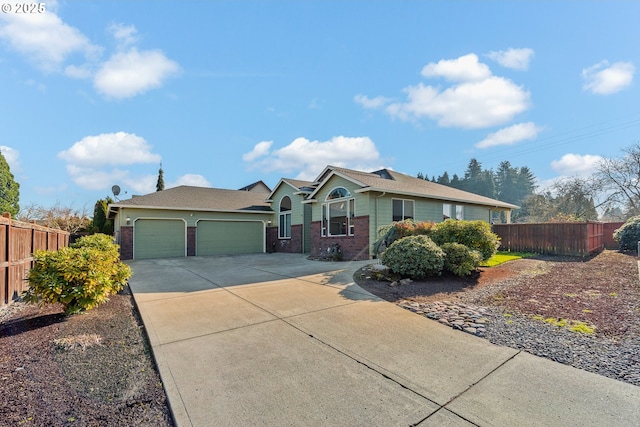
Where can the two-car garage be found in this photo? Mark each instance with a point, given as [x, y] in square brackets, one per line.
[166, 238]
[187, 221]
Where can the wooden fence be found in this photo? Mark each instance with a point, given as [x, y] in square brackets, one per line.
[18, 242]
[607, 230]
[572, 238]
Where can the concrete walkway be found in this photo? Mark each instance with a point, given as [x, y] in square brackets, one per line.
[278, 340]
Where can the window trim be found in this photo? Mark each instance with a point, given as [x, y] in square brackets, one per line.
[404, 215]
[284, 219]
[349, 209]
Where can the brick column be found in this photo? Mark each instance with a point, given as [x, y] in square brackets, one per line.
[126, 242]
[191, 241]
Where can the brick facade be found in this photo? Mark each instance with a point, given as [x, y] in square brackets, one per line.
[291, 245]
[126, 242]
[272, 239]
[354, 248]
[191, 241]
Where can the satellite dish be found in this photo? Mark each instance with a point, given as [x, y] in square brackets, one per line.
[116, 190]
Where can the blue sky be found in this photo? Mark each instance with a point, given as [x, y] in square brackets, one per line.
[97, 93]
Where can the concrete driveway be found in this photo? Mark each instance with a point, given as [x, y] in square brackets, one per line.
[278, 340]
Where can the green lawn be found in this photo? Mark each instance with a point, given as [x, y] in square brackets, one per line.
[502, 257]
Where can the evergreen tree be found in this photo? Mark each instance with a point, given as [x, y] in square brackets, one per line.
[444, 179]
[160, 183]
[9, 189]
[455, 182]
[101, 223]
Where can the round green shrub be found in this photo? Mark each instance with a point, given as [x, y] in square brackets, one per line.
[475, 235]
[628, 235]
[459, 259]
[79, 277]
[414, 257]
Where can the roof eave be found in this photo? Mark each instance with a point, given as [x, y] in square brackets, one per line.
[185, 208]
[429, 196]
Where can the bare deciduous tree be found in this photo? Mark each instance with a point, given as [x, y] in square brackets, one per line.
[60, 217]
[621, 180]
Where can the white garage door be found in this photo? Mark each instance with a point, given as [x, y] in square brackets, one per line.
[229, 237]
[159, 238]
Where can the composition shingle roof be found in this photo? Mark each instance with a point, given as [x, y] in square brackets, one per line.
[399, 183]
[199, 198]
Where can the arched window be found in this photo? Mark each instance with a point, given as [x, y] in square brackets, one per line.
[338, 213]
[284, 218]
[338, 193]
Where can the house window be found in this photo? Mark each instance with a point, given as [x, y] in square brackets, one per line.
[459, 212]
[284, 218]
[338, 213]
[446, 211]
[402, 209]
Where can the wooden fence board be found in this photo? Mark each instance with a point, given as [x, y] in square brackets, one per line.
[18, 242]
[573, 238]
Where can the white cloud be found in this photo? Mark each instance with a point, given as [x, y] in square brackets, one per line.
[131, 73]
[51, 44]
[191, 179]
[366, 102]
[118, 148]
[605, 79]
[124, 34]
[510, 135]
[259, 150]
[308, 158]
[44, 38]
[576, 165]
[90, 178]
[517, 59]
[476, 99]
[463, 69]
[95, 162]
[480, 104]
[11, 155]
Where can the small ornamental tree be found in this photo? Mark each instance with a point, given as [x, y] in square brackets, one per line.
[628, 235]
[79, 277]
[414, 256]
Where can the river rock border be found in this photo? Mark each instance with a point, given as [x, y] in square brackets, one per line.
[463, 317]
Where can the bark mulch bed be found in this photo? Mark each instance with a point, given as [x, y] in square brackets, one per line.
[602, 290]
[91, 369]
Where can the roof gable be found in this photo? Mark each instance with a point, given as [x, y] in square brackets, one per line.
[299, 187]
[389, 181]
[258, 186]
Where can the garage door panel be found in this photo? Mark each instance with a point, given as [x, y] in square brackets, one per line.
[159, 238]
[229, 237]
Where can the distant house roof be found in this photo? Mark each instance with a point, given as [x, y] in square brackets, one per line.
[303, 187]
[258, 186]
[199, 198]
[386, 180]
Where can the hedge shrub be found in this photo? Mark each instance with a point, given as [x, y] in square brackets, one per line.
[399, 229]
[414, 256]
[79, 277]
[459, 259]
[628, 235]
[473, 234]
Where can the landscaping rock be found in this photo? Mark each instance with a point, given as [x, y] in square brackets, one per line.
[462, 317]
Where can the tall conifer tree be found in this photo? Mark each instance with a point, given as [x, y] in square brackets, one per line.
[160, 183]
[9, 189]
